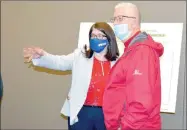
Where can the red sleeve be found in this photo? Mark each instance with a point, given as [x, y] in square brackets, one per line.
[138, 92]
[112, 100]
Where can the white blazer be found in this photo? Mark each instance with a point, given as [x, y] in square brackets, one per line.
[81, 74]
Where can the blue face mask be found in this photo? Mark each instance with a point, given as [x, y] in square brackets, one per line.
[98, 45]
[122, 31]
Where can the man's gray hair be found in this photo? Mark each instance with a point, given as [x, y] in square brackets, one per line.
[122, 4]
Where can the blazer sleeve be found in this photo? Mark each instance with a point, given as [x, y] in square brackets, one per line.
[57, 62]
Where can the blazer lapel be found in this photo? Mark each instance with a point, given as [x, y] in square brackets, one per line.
[88, 69]
[112, 63]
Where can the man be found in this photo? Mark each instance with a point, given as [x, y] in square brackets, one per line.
[132, 98]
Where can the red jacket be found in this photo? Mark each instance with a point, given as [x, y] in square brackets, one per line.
[132, 98]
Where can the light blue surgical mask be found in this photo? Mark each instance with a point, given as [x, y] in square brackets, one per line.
[98, 45]
[122, 31]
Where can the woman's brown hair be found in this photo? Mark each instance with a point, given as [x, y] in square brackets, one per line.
[112, 48]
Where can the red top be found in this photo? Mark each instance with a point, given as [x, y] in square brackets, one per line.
[132, 97]
[100, 73]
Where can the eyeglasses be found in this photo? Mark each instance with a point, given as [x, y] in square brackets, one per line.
[100, 36]
[121, 18]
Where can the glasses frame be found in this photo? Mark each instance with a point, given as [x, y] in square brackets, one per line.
[101, 36]
[123, 16]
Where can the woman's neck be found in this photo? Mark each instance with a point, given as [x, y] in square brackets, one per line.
[101, 56]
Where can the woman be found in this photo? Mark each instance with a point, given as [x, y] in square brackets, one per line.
[90, 69]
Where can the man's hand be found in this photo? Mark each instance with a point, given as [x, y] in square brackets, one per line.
[32, 53]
